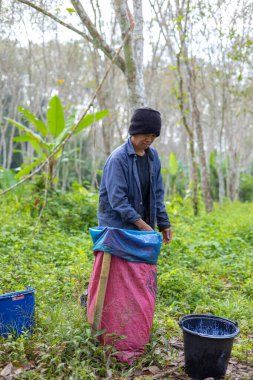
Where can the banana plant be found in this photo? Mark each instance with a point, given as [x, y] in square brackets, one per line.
[49, 135]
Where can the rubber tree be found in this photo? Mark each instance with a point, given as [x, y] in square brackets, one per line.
[131, 64]
[163, 21]
[190, 132]
[216, 93]
[183, 109]
[191, 76]
[217, 119]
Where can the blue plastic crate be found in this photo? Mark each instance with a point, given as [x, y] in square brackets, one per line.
[17, 312]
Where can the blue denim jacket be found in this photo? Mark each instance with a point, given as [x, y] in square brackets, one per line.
[120, 200]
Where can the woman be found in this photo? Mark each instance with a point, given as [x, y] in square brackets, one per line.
[131, 198]
[131, 191]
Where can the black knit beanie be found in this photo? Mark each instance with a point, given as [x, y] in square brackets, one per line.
[144, 121]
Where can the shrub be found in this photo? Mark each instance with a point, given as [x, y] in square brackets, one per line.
[246, 188]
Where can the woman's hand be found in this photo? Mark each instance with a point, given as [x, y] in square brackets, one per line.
[167, 235]
[142, 225]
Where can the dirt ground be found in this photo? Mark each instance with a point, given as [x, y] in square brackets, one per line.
[175, 370]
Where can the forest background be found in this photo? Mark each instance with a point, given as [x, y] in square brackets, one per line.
[191, 60]
[197, 71]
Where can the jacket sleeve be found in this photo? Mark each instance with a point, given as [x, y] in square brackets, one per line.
[117, 189]
[161, 213]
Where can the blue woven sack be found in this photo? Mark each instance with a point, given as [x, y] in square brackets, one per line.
[131, 245]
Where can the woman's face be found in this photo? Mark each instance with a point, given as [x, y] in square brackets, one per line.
[143, 141]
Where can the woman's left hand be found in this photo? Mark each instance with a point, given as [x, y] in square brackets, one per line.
[167, 235]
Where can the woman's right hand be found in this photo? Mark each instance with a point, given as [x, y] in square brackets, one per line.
[142, 226]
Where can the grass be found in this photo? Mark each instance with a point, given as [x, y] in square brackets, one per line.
[206, 269]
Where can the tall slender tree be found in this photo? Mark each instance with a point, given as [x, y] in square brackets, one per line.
[182, 12]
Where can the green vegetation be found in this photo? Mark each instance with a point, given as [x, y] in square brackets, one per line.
[206, 269]
[246, 188]
[49, 135]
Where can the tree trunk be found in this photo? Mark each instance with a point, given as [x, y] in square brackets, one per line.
[199, 132]
[51, 172]
[221, 179]
[220, 159]
[228, 176]
[138, 43]
[234, 182]
[166, 184]
[204, 174]
[195, 110]
[76, 161]
[194, 177]
[133, 50]
[133, 46]
[3, 146]
[102, 97]
[132, 66]
[194, 173]
[10, 148]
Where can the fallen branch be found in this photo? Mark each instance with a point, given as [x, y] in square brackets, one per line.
[164, 373]
[62, 144]
[179, 346]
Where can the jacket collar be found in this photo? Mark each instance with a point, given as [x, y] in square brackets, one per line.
[131, 151]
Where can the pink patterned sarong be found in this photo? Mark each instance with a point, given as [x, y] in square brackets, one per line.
[129, 304]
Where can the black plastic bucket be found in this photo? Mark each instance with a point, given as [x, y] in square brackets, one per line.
[208, 341]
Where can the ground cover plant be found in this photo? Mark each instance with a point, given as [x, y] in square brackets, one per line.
[206, 269]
